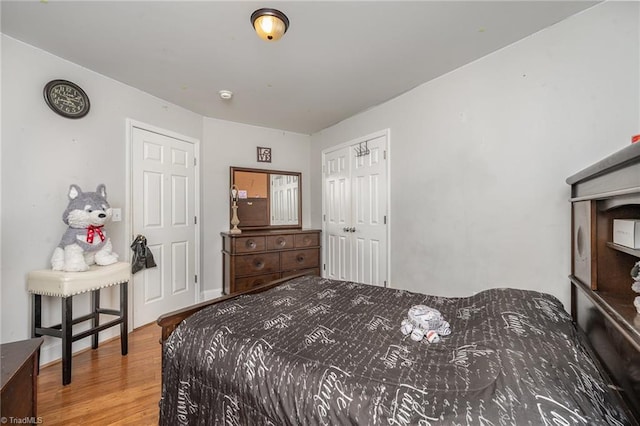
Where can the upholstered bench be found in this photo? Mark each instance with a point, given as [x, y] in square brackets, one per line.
[68, 284]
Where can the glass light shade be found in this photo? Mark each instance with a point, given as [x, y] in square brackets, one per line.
[270, 24]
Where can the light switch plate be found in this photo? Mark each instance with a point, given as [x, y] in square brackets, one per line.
[116, 215]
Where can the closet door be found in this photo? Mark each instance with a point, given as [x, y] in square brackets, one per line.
[368, 214]
[337, 214]
[355, 212]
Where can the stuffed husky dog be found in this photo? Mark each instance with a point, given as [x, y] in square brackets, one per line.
[84, 243]
[423, 321]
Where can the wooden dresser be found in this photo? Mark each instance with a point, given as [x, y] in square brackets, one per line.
[601, 295]
[257, 257]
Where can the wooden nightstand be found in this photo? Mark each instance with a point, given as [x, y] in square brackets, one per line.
[20, 378]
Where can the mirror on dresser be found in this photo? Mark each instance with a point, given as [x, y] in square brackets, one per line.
[267, 199]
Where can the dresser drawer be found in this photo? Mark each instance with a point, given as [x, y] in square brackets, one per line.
[300, 259]
[247, 283]
[257, 264]
[307, 240]
[314, 271]
[249, 244]
[279, 242]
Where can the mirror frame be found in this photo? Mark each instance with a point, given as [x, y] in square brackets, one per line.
[234, 169]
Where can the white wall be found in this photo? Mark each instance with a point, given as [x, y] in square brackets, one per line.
[479, 156]
[43, 153]
[227, 144]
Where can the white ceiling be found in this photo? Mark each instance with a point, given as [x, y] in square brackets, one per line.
[337, 59]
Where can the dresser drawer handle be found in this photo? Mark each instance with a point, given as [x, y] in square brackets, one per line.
[258, 263]
[250, 244]
[300, 258]
[281, 242]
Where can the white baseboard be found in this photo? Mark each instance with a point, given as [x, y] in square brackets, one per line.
[211, 294]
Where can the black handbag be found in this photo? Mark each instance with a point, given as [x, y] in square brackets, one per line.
[142, 256]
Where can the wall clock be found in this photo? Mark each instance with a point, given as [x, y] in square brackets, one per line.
[66, 98]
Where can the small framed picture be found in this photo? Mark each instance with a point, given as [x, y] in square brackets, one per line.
[264, 154]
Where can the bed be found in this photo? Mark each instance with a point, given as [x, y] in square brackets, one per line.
[314, 351]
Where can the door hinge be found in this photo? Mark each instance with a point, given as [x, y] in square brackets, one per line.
[384, 155]
[324, 217]
[324, 266]
[385, 283]
[195, 220]
[196, 278]
[385, 219]
[195, 161]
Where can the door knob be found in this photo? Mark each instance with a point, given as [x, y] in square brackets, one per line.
[352, 229]
[345, 229]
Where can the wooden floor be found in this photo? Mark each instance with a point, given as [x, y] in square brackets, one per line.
[106, 388]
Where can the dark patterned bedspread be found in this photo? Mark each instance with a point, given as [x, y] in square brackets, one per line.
[319, 352]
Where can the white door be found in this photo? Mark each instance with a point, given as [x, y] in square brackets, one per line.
[337, 214]
[368, 214]
[355, 212]
[163, 193]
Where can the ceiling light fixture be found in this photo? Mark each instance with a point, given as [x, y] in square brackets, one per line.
[270, 24]
[225, 94]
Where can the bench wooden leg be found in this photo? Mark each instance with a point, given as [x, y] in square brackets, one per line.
[37, 323]
[124, 314]
[37, 315]
[95, 321]
[67, 338]
[65, 329]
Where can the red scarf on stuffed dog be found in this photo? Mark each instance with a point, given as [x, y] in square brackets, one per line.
[91, 230]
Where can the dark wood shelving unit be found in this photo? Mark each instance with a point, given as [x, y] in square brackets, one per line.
[624, 249]
[620, 308]
[601, 295]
